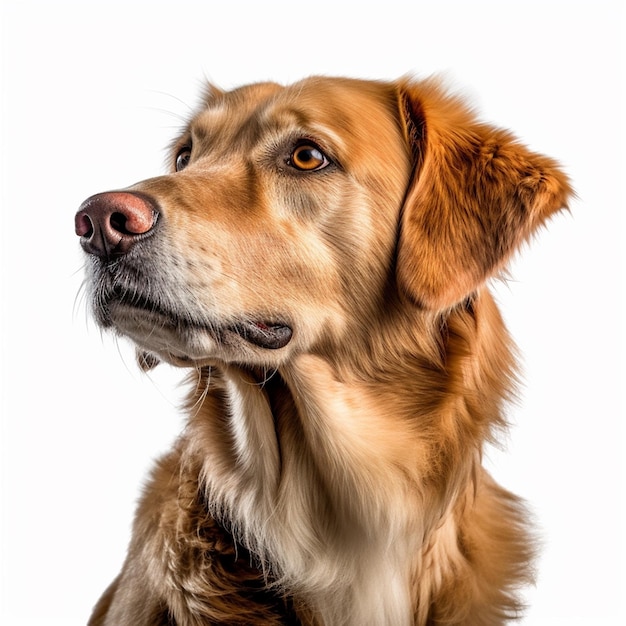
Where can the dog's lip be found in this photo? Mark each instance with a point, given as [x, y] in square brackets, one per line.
[270, 335]
[265, 335]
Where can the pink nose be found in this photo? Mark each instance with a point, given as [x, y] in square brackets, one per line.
[110, 224]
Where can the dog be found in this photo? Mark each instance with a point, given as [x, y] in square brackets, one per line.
[319, 259]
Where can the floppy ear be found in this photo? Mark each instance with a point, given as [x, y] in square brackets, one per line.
[474, 196]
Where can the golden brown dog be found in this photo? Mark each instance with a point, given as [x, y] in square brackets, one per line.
[317, 257]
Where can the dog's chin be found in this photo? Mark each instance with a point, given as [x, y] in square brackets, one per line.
[191, 343]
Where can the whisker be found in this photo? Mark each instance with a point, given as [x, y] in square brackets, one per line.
[197, 405]
[173, 97]
[180, 118]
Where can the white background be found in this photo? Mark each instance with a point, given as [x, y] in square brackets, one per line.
[91, 95]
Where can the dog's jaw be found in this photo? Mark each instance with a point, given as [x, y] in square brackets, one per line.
[187, 342]
[182, 335]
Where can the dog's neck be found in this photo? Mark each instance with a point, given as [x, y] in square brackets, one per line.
[320, 477]
[331, 475]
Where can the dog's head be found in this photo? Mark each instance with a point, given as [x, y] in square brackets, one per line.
[293, 213]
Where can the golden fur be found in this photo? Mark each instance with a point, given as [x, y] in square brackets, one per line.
[319, 263]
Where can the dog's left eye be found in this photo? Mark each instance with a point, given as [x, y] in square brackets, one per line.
[182, 159]
[307, 157]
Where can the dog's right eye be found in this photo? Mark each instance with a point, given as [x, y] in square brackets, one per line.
[182, 159]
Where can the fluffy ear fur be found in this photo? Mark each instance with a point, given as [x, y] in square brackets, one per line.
[474, 196]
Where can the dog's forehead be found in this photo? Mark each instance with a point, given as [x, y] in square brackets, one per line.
[223, 113]
[244, 99]
[338, 106]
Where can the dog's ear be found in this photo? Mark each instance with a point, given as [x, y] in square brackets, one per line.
[474, 196]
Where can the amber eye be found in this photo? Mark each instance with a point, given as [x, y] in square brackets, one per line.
[307, 157]
[182, 159]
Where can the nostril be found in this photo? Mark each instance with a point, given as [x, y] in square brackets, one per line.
[83, 225]
[118, 222]
[132, 214]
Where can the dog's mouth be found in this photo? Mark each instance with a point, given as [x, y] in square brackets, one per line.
[262, 334]
[121, 310]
